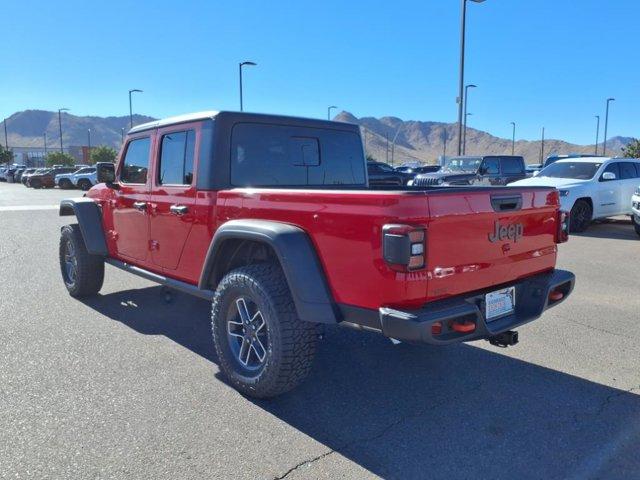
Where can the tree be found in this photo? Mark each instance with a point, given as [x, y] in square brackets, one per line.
[6, 156]
[59, 158]
[632, 150]
[103, 153]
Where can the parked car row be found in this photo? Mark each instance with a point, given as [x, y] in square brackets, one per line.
[383, 174]
[79, 176]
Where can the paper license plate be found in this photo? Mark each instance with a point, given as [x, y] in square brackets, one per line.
[500, 303]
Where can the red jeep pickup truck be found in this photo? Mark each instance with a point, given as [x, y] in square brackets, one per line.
[272, 219]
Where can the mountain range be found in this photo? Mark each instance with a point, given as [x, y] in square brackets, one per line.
[416, 140]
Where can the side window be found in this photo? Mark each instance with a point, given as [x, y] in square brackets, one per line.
[613, 168]
[491, 166]
[136, 161]
[176, 158]
[628, 170]
[512, 165]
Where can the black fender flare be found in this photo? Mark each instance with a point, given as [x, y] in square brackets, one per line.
[297, 257]
[90, 220]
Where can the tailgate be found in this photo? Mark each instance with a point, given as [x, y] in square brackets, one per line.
[479, 238]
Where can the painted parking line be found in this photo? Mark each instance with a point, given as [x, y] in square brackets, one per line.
[26, 208]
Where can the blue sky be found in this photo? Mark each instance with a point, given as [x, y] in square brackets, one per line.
[543, 62]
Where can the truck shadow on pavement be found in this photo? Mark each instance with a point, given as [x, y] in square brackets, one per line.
[615, 229]
[412, 412]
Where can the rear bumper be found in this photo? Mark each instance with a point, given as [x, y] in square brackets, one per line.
[416, 326]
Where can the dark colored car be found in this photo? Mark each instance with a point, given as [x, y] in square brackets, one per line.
[46, 178]
[383, 174]
[487, 170]
[27, 173]
[17, 177]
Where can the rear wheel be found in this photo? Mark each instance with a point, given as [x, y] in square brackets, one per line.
[84, 184]
[580, 216]
[82, 273]
[263, 348]
[65, 184]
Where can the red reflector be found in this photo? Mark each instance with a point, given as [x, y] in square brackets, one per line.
[436, 328]
[464, 327]
[555, 296]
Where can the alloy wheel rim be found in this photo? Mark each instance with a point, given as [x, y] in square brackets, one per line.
[247, 334]
[70, 262]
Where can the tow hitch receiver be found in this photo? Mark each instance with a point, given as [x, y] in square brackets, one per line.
[504, 339]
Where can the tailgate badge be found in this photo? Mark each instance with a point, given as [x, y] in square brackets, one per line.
[512, 232]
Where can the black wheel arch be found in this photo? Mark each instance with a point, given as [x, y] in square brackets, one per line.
[236, 242]
[90, 221]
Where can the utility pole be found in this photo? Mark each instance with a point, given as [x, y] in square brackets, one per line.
[6, 141]
[386, 136]
[542, 148]
[513, 138]
[60, 110]
[597, 133]
[606, 126]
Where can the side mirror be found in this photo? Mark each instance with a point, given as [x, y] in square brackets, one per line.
[106, 173]
[608, 176]
[536, 173]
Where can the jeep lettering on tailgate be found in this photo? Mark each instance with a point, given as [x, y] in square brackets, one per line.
[501, 232]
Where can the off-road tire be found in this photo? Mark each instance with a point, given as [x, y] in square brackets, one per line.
[636, 224]
[89, 269]
[580, 217]
[291, 342]
[65, 184]
[84, 184]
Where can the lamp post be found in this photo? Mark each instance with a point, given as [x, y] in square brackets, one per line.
[513, 138]
[464, 134]
[597, 133]
[444, 141]
[44, 135]
[240, 65]
[542, 148]
[133, 90]
[329, 111]
[122, 135]
[89, 138]
[606, 126]
[60, 110]
[463, 26]
[393, 144]
[6, 141]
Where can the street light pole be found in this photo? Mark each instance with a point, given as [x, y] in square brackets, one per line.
[6, 141]
[89, 138]
[45, 143]
[542, 148]
[464, 134]
[597, 133]
[60, 125]
[133, 90]
[393, 144]
[240, 65]
[329, 111]
[463, 26]
[513, 138]
[606, 126]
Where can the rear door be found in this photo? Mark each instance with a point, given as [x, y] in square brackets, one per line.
[130, 216]
[512, 169]
[490, 171]
[628, 182]
[173, 193]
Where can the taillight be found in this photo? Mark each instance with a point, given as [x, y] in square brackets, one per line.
[563, 227]
[403, 247]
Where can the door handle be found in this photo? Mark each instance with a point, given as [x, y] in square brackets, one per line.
[178, 209]
[140, 206]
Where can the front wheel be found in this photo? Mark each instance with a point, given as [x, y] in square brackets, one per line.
[263, 348]
[636, 223]
[580, 216]
[84, 184]
[82, 273]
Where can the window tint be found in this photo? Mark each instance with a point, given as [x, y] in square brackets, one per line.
[491, 166]
[176, 158]
[512, 165]
[269, 155]
[136, 161]
[86, 170]
[613, 168]
[628, 170]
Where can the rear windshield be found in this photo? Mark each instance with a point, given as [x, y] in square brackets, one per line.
[282, 155]
[575, 170]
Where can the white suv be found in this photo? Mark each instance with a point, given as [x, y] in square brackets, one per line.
[590, 188]
[635, 210]
[85, 178]
[65, 180]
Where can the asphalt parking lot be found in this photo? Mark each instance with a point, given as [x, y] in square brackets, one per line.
[125, 385]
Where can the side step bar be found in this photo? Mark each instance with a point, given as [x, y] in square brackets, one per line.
[161, 279]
